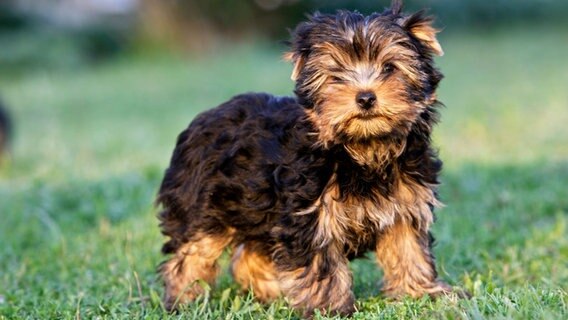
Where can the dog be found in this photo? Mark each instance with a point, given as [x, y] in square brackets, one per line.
[298, 186]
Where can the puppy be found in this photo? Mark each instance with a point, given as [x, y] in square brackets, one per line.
[298, 186]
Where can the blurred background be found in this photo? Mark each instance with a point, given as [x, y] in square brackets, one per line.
[59, 33]
[96, 92]
[108, 65]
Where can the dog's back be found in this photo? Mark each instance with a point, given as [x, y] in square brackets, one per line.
[236, 171]
[229, 163]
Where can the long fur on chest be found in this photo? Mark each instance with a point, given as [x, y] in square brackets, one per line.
[358, 204]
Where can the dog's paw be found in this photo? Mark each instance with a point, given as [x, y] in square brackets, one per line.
[344, 311]
[441, 289]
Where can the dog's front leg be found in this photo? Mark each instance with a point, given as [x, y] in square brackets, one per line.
[323, 282]
[404, 251]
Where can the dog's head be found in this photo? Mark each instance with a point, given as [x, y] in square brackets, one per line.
[365, 76]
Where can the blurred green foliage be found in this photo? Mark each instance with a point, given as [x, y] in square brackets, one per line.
[28, 41]
[272, 17]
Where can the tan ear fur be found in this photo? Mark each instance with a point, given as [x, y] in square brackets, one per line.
[421, 27]
[298, 61]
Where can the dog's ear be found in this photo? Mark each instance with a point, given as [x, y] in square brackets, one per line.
[302, 42]
[298, 60]
[421, 27]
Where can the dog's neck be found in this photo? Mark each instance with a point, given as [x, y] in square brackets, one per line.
[366, 169]
[376, 154]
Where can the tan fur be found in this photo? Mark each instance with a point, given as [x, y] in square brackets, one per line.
[427, 33]
[339, 113]
[348, 221]
[253, 271]
[375, 154]
[306, 289]
[404, 254]
[195, 260]
[298, 61]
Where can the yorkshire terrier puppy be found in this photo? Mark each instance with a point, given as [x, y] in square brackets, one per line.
[298, 186]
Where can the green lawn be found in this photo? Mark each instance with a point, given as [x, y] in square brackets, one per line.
[78, 233]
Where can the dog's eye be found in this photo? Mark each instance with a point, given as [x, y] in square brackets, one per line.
[388, 68]
[335, 79]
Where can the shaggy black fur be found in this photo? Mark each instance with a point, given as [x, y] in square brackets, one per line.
[252, 162]
[245, 165]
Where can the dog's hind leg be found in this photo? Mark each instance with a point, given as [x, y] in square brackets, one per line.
[192, 261]
[256, 272]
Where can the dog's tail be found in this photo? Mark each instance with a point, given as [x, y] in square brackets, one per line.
[5, 130]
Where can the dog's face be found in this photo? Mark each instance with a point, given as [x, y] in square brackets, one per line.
[365, 76]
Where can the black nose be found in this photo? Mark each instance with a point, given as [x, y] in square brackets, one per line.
[366, 99]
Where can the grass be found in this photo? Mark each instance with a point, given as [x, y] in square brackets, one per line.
[79, 234]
